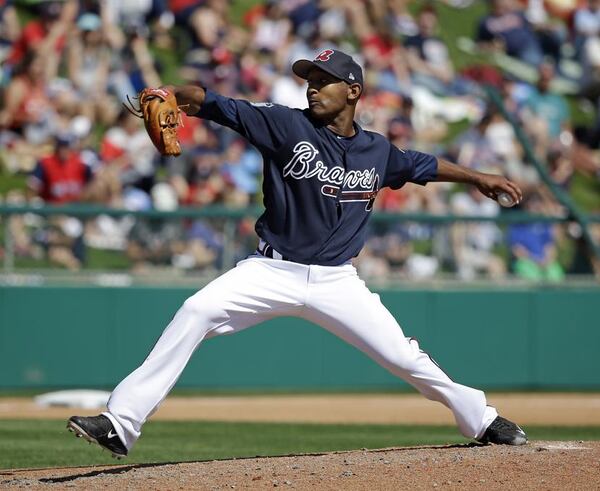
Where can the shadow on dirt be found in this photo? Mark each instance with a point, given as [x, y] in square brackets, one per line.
[116, 470]
[127, 468]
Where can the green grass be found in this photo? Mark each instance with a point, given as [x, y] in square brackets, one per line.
[46, 443]
[9, 182]
[586, 192]
[454, 23]
[239, 8]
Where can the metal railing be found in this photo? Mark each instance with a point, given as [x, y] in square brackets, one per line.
[230, 216]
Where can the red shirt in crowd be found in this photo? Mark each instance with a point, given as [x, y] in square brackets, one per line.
[32, 35]
[177, 6]
[61, 181]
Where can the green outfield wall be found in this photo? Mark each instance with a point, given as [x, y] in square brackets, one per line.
[88, 337]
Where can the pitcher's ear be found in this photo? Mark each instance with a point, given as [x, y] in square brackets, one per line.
[354, 91]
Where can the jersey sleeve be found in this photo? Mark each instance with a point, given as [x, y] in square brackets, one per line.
[265, 125]
[409, 166]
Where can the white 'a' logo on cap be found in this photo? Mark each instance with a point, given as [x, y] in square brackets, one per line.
[351, 76]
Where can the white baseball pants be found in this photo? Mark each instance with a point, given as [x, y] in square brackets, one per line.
[260, 288]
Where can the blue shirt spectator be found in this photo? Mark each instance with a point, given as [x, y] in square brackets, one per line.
[550, 107]
[533, 237]
[242, 166]
[534, 248]
[513, 29]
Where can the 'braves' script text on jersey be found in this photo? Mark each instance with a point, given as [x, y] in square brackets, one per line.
[304, 166]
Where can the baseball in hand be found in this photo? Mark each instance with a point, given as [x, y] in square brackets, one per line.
[505, 200]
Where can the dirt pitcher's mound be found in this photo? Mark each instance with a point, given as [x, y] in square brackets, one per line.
[538, 465]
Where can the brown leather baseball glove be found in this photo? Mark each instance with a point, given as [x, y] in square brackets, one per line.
[162, 116]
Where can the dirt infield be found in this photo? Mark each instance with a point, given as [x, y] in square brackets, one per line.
[570, 409]
[538, 465]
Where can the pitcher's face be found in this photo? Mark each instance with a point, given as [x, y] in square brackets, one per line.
[327, 95]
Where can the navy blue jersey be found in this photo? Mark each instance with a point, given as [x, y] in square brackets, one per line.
[318, 187]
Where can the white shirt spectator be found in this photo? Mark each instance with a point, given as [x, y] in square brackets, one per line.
[587, 21]
[482, 235]
[138, 148]
[289, 91]
[271, 34]
[473, 242]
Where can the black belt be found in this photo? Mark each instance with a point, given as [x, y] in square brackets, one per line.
[266, 250]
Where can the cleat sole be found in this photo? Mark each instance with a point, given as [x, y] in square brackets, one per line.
[79, 432]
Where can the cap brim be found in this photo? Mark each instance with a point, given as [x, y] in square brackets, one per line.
[303, 67]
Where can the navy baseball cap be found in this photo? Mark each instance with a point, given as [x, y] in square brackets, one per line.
[334, 62]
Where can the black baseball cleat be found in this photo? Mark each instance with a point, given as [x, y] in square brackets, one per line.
[504, 432]
[100, 430]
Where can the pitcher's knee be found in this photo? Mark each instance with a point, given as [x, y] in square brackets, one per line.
[205, 310]
[404, 360]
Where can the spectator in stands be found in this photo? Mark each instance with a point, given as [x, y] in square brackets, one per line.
[586, 28]
[303, 14]
[391, 253]
[550, 31]
[560, 168]
[289, 90]
[59, 178]
[587, 42]
[583, 156]
[429, 59]
[214, 43]
[271, 29]
[10, 28]
[534, 246]
[387, 62]
[26, 101]
[400, 18]
[501, 138]
[242, 166]
[157, 241]
[107, 48]
[138, 63]
[204, 246]
[491, 146]
[205, 181]
[45, 34]
[472, 147]
[132, 13]
[88, 64]
[473, 243]
[183, 10]
[127, 146]
[371, 264]
[507, 29]
[546, 113]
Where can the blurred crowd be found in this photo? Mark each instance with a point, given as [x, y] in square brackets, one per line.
[67, 66]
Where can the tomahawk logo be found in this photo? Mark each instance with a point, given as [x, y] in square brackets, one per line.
[367, 195]
[324, 55]
[351, 186]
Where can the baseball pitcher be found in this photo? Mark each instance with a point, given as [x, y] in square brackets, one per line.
[322, 172]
